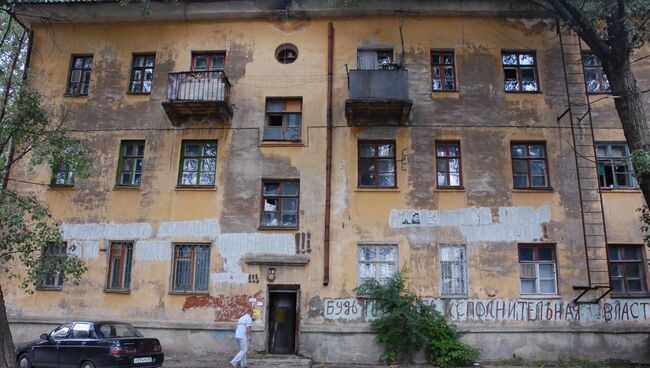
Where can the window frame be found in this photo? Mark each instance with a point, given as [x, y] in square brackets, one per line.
[68, 86]
[133, 171]
[464, 263]
[285, 119]
[173, 288]
[70, 176]
[280, 196]
[124, 256]
[441, 53]
[210, 65]
[57, 284]
[142, 69]
[643, 268]
[184, 142]
[537, 263]
[447, 158]
[376, 143]
[518, 68]
[392, 65]
[528, 159]
[376, 246]
[600, 74]
[612, 160]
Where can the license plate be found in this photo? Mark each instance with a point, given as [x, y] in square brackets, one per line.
[142, 360]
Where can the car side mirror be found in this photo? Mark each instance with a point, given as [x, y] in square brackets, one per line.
[45, 336]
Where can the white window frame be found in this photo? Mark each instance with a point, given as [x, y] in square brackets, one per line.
[608, 158]
[376, 245]
[463, 263]
[536, 264]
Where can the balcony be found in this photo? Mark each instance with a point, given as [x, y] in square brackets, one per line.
[201, 95]
[378, 97]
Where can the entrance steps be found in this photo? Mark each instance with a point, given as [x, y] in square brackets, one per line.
[276, 360]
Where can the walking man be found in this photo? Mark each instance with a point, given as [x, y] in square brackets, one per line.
[243, 335]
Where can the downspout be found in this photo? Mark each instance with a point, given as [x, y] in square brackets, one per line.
[328, 162]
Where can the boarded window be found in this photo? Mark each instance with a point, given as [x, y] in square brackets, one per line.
[54, 279]
[520, 71]
[376, 59]
[280, 203]
[443, 77]
[614, 166]
[79, 79]
[283, 119]
[377, 262]
[130, 165]
[529, 166]
[453, 270]
[119, 266]
[198, 163]
[627, 270]
[142, 73]
[595, 78]
[377, 164]
[537, 269]
[191, 267]
[448, 171]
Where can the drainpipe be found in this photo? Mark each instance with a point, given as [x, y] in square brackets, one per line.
[328, 164]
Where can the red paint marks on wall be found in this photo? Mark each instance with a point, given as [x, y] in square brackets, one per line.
[226, 307]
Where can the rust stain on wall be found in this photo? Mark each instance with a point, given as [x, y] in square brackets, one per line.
[226, 308]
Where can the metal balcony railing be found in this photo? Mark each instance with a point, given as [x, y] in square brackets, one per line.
[209, 86]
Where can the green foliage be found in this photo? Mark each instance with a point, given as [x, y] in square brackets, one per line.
[641, 163]
[407, 325]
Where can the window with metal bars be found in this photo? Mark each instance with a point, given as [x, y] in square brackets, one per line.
[280, 203]
[453, 271]
[142, 73]
[377, 262]
[443, 77]
[53, 280]
[191, 268]
[537, 269]
[529, 166]
[119, 266]
[130, 166]
[79, 78]
[377, 164]
[627, 270]
[520, 71]
[448, 171]
[198, 163]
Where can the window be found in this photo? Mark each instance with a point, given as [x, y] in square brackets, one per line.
[376, 59]
[119, 266]
[198, 163]
[54, 280]
[529, 165]
[61, 331]
[537, 269]
[442, 71]
[453, 270]
[208, 61]
[595, 77]
[627, 269]
[83, 330]
[191, 267]
[377, 164]
[283, 119]
[519, 71]
[280, 203]
[614, 166]
[448, 164]
[79, 79]
[377, 262]
[63, 176]
[142, 73]
[286, 53]
[130, 165]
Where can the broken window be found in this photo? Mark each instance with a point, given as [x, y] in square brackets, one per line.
[448, 165]
[537, 269]
[53, 280]
[62, 176]
[130, 166]
[377, 164]
[79, 79]
[280, 203]
[376, 59]
[595, 77]
[209, 62]
[627, 269]
[614, 166]
[442, 71]
[529, 165]
[377, 262]
[142, 73]
[191, 267]
[198, 163]
[119, 266]
[519, 71]
[453, 270]
[283, 119]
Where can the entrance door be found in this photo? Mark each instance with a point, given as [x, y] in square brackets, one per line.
[283, 321]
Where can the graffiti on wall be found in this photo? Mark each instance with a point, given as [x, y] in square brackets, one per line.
[486, 310]
[226, 308]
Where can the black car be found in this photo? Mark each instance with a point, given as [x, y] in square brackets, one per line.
[86, 344]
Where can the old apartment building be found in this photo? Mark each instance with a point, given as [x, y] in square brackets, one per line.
[280, 153]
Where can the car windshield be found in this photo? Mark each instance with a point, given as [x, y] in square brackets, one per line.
[111, 330]
[61, 331]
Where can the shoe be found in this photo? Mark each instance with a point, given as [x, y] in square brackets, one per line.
[233, 364]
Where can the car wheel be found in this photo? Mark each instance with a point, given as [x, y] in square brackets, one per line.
[25, 361]
[87, 365]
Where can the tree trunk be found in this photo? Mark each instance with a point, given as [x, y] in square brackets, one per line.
[7, 350]
[629, 105]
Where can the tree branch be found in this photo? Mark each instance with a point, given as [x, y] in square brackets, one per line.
[586, 31]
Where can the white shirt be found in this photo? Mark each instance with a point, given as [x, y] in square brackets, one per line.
[243, 322]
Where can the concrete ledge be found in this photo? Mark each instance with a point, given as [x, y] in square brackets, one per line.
[275, 259]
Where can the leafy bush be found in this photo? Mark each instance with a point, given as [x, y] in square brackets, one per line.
[406, 324]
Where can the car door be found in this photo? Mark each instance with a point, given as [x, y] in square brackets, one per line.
[77, 345]
[46, 352]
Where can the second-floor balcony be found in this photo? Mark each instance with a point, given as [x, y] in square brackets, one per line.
[378, 97]
[198, 94]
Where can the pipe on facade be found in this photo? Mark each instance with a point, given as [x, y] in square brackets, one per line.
[328, 162]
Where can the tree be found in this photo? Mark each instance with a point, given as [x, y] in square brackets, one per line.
[29, 136]
[613, 29]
